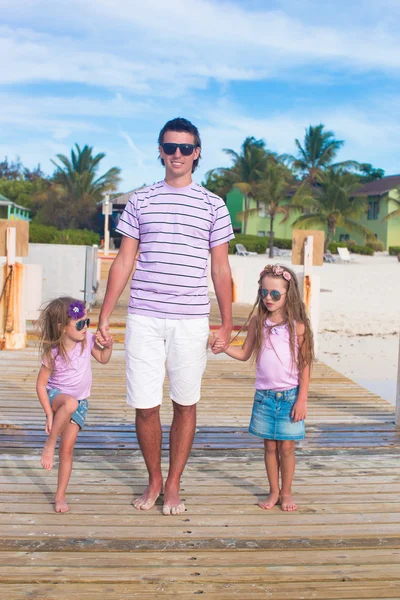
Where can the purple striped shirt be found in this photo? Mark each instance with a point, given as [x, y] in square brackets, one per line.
[176, 227]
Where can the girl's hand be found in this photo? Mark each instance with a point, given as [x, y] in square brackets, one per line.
[104, 342]
[49, 423]
[299, 411]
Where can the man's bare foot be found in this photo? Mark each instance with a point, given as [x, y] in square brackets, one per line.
[272, 499]
[287, 502]
[172, 502]
[47, 456]
[148, 499]
[61, 505]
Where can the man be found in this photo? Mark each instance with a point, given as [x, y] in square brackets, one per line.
[177, 224]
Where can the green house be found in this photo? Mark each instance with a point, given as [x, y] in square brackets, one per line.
[380, 194]
[11, 211]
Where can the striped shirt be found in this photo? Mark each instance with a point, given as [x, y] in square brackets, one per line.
[176, 227]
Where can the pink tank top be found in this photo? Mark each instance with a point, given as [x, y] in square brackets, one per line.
[275, 368]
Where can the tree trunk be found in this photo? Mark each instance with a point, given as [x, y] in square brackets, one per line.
[271, 236]
[246, 214]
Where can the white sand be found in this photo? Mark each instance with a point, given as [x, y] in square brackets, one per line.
[360, 319]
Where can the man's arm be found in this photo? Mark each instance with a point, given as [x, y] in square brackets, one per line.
[120, 272]
[222, 280]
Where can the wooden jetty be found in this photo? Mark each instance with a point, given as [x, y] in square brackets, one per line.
[342, 543]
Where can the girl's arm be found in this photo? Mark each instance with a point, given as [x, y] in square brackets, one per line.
[41, 385]
[102, 349]
[246, 350]
[299, 412]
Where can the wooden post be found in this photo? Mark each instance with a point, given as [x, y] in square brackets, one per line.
[311, 289]
[398, 391]
[12, 316]
[106, 210]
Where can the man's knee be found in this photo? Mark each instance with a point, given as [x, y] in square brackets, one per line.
[183, 410]
[147, 414]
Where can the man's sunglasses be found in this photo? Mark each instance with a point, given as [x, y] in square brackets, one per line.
[170, 148]
[81, 324]
[275, 295]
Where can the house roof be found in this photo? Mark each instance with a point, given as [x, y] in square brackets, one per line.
[123, 198]
[6, 202]
[379, 186]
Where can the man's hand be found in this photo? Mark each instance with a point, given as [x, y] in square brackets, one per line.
[220, 340]
[104, 331]
[102, 341]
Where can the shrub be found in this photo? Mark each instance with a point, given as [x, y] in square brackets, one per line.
[44, 234]
[394, 250]
[333, 246]
[255, 243]
[376, 246]
[362, 250]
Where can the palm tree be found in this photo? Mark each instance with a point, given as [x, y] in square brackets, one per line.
[248, 171]
[78, 175]
[335, 205]
[318, 152]
[277, 185]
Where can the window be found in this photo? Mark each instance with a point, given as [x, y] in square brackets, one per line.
[373, 210]
[261, 233]
[344, 237]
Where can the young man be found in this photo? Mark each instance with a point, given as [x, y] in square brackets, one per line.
[176, 223]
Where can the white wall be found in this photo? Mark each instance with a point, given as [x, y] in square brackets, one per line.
[63, 269]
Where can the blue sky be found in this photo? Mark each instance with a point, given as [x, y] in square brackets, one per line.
[109, 73]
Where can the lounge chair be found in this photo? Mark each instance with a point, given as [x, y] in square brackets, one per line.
[328, 257]
[345, 255]
[241, 251]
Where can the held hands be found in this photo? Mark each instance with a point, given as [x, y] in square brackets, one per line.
[299, 411]
[105, 341]
[219, 340]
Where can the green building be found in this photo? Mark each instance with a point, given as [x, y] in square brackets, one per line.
[380, 194]
[11, 211]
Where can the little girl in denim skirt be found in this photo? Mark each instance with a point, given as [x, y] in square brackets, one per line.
[64, 381]
[280, 340]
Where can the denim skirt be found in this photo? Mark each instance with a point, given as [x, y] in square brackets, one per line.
[271, 416]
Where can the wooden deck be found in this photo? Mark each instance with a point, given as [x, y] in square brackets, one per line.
[343, 542]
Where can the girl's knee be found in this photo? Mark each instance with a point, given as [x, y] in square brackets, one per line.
[286, 447]
[270, 445]
[71, 404]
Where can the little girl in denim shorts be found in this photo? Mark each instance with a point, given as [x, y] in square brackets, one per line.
[280, 340]
[64, 381]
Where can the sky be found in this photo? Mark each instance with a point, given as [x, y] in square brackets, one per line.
[110, 73]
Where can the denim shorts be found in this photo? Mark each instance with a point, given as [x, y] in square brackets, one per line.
[79, 416]
[271, 417]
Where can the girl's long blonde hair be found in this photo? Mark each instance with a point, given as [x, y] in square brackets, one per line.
[295, 312]
[51, 324]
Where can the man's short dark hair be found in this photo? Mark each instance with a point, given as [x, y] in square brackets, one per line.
[180, 124]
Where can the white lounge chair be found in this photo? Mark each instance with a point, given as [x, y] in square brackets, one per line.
[329, 257]
[345, 255]
[241, 251]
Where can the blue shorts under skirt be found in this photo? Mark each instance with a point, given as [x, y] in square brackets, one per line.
[271, 417]
[79, 416]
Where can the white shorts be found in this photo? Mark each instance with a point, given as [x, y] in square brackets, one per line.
[151, 345]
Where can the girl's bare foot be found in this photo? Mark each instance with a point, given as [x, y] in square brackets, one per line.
[287, 502]
[148, 499]
[272, 499]
[47, 456]
[61, 505]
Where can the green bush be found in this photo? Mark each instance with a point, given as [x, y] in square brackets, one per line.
[255, 243]
[394, 250]
[362, 250]
[44, 234]
[376, 246]
[333, 246]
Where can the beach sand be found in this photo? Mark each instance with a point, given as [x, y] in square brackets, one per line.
[360, 321]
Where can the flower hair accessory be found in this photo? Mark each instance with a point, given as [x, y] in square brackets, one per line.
[276, 270]
[76, 310]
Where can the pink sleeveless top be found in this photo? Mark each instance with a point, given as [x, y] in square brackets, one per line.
[275, 368]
